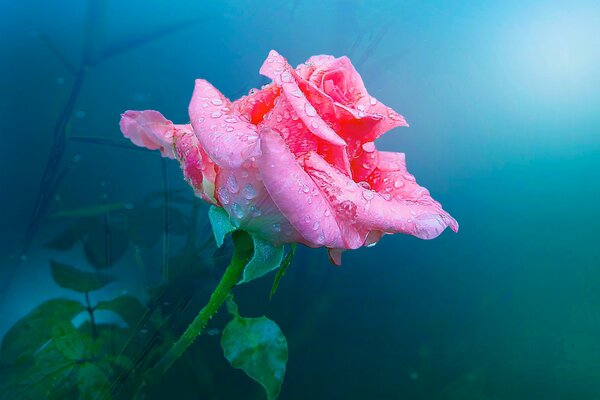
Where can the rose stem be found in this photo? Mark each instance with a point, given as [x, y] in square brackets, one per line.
[217, 298]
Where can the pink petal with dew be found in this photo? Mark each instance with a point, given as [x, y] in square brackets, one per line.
[149, 129]
[198, 169]
[242, 194]
[306, 69]
[297, 136]
[424, 218]
[226, 136]
[255, 105]
[277, 68]
[295, 193]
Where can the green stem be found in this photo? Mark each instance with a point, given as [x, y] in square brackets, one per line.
[90, 311]
[230, 278]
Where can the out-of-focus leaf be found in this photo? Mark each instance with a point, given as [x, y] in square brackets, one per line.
[68, 340]
[258, 347]
[283, 268]
[93, 383]
[128, 307]
[219, 220]
[90, 211]
[177, 225]
[25, 337]
[265, 259]
[145, 226]
[94, 244]
[49, 377]
[67, 238]
[70, 277]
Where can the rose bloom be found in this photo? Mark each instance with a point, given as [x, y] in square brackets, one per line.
[296, 160]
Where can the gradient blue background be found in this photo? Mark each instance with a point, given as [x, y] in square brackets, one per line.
[503, 99]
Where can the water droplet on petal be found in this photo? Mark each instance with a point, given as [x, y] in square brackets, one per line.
[368, 194]
[307, 218]
[216, 114]
[369, 147]
[223, 196]
[286, 77]
[252, 138]
[249, 191]
[216, 102]
[373, 101]
[398, 184]
[315, 225]
[231, 119]
[310, 110]
[232, 184]
[238, 211]
[305, 188]
[364, 185]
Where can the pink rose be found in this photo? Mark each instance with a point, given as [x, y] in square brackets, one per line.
[296, 160]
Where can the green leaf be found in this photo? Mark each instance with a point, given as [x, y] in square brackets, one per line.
[69, 277]
[68, 340]
[93, 383]
[90, 211]
[283, 269]
[265, 259]
[219, 220]
[258, 347]
[67, 238]
[128, 307]
[49, 377]
[145, 225]
[94, 244]
[25, 337]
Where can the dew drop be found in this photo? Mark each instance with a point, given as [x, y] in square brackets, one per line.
[252, 138]
[373, 101]
[315, 225]
[364, 185]
[310, 110]
[305, 188]
[369, 147]
[231, 119]
[223, 196]
[216, 102]
[286, 77]
[398, 184]
[368, 194]
[249, 191]
[232, 184]
[238, 211]
[216, 114]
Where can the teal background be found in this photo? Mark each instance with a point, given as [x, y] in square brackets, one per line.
[503, 101]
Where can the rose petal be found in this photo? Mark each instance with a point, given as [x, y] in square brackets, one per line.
[295, 194]
[242, 194]
[227, 137]
[255, 105]
[149, 129]
[421, 217]
[335, 256]
[198, 169]
[277, 68]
